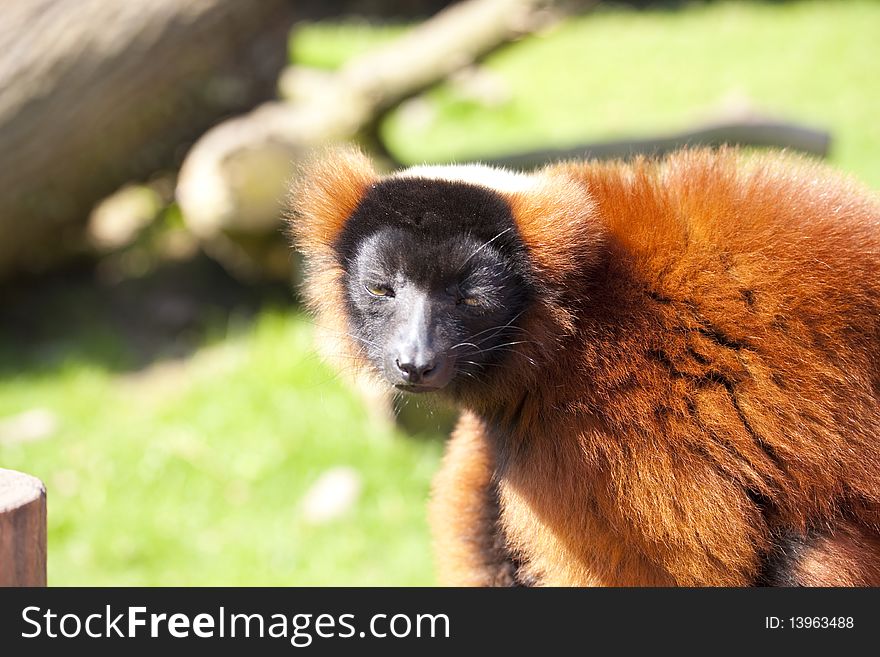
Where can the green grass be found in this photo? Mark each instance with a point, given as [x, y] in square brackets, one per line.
[193, 472]
[329, 45]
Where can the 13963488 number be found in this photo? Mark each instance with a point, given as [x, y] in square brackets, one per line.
[821, 622]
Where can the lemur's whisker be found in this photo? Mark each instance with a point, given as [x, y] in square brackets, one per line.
[364, 340]
[483, 246]
[498, 328]
[463, 344]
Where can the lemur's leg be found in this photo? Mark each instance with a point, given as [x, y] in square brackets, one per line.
[469, 545]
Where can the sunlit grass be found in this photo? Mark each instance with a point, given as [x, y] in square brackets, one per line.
[328, 45]
[633, 73]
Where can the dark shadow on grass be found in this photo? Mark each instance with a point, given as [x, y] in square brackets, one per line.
[75, 316]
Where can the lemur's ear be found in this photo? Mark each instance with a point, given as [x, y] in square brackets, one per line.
[551, 218]
[325, 194]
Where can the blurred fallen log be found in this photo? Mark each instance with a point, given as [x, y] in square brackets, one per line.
[233, 182]
[95, 93]
[753, 131]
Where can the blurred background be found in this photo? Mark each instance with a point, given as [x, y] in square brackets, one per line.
[156, 369]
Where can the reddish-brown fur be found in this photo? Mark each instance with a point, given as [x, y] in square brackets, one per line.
[842, 558]
[708, 370]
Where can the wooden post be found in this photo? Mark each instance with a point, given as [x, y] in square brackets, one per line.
[22, 530]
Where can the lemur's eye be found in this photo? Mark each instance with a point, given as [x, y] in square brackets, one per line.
[377, 290]
[460, 297]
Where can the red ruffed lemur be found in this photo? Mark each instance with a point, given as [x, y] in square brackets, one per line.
[668, 371]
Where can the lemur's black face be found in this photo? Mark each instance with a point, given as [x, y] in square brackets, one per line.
[436, 280]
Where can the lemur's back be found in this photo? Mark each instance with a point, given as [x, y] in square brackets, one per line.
[733, 334]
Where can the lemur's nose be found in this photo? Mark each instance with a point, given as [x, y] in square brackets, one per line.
[416, 370]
